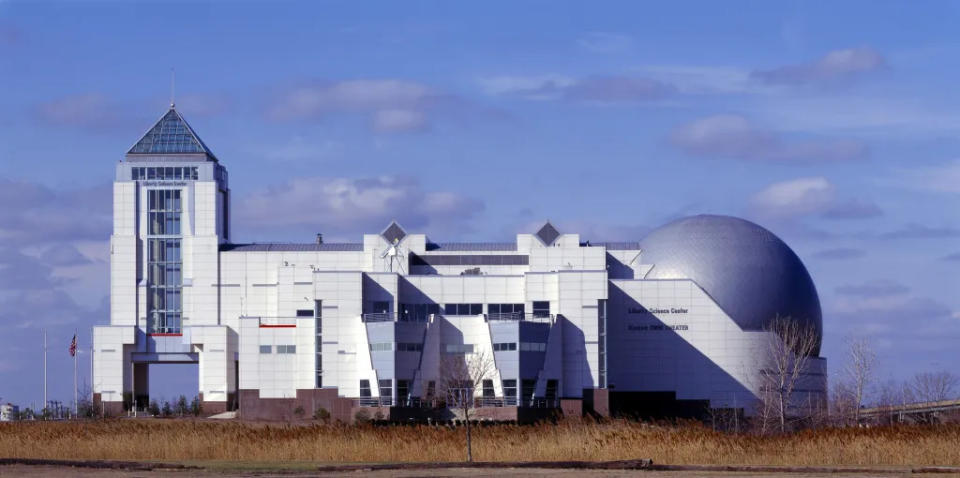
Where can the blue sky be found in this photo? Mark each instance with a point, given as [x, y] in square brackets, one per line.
[835, 125]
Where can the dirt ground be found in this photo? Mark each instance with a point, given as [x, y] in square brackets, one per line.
[71, 472]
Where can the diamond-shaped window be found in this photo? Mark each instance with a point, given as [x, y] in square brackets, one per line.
[393, 233]
[548, 233]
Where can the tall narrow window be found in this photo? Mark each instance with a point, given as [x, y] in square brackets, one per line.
[318, 328]
[386, 391]
[488, 389]
[364, 388]
[602, 343]
[164, 262]
[403, 392]
[510, 392]
[551, 391]
[527, 387]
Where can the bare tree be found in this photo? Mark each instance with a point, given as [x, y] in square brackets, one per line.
[859, 371]
[461, 375]
[934, 386]
[791, 344]
[842, 403]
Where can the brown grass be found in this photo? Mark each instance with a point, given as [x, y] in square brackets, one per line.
[173, 440]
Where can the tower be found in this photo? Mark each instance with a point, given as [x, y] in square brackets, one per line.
[171, 203]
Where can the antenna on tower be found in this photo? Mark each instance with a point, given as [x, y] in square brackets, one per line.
[173, 83]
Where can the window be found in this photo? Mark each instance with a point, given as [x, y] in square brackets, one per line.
[533, 347]
[551, 391]
[510, 391]
[164, 268]
[409, 347]
[304, 313]
[541, 309]
[286, 349]
[318, 329]
[459, 348]
[504, 346]
[488, 391]
[364, 388]
[266, 349]
[163, 211]
[164, 173]
[381, 307]
[505, 309]
[381, 347]
[602, 342]
[431, 389]
[403, 391]
[527, 388]
[386, 390]
[463, 309]
[418, 312]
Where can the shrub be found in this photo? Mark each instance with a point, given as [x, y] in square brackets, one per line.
[362, 416]
[322, 415]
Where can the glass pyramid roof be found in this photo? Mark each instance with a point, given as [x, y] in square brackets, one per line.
[171, 135]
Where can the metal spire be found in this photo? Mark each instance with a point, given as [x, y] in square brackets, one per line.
[173, 82]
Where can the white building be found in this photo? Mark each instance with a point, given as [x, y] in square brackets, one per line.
[9, 412]
[671, 323]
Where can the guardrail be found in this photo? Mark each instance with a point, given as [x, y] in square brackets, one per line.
[519, 316]
[478, 402]
[379, 317]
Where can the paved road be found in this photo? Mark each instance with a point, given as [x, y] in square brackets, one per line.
[69, 472]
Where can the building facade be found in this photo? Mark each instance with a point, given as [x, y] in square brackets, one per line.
[676, 320]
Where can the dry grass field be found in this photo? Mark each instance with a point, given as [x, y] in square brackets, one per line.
[183, 440]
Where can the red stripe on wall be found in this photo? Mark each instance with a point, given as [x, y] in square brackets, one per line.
[284, 326]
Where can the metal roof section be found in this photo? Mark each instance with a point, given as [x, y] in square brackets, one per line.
[171, 135]
[472, 246]
[615, 246]
[393, 233]
[548, 234]
[279, 247]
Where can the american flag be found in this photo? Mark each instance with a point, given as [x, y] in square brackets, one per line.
[73, 346]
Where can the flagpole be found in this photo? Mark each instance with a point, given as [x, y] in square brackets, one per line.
[44, 405]
[76, 407]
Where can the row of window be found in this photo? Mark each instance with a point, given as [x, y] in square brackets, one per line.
[527, 389]
[420, 312]
[459, 348]
[400, 346]
[281, 349]
[524, 346]
[164, 173]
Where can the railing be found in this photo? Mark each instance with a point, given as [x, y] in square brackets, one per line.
[288, 321]
[373, 402]
[379, 317]
[478, 402]
[519, 316]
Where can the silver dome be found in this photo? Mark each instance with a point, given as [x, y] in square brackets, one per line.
[750, 273]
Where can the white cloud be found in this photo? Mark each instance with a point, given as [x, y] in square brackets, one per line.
[605, 42]
[393, 105]
[399, 120]
[809, 196]
[734, 136]
[593, 89]
[88, 110]
[943, 178]
[354, 205]
[697, 79]
[795, 197]
[835, 65]
[539, 87]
